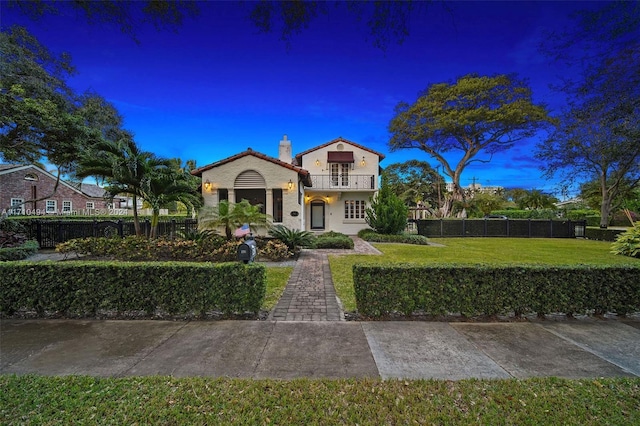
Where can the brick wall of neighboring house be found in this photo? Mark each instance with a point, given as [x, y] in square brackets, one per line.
[31, 182]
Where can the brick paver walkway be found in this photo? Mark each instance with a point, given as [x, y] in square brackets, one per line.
[310, 294]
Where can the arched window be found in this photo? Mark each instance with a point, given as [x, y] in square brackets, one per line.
[31, 176]
[250, 185]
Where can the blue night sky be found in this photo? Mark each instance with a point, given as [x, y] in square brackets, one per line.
[218, 86]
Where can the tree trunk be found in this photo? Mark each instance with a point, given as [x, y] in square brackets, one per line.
[605, 210]
[136, 220]
[155, 216]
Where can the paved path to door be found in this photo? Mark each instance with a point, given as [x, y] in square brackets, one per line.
[310, 294]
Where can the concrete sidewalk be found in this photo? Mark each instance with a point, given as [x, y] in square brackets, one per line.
[329, 349]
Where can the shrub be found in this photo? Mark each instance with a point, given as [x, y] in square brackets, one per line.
[599, 234]
[492, 290]
[333, 240]
[275, 250]
[211, 249]
[387, 213]
[294, 239]
[72, 289]
[581, 214]
[404, 238]
[527, 214]
[627, 243]
[20, 252]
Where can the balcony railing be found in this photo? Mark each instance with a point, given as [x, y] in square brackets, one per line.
[344, 182]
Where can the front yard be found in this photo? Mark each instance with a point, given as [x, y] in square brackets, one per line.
[499, 251]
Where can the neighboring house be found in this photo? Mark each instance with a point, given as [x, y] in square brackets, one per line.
[326, 188]
[20, 184]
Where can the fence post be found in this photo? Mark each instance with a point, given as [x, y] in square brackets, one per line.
[529, 227]
[464, 227]
[441, 227]
[508, 229]
[120, 228]
[39, 232]
[551, 228]
[485, 227]
[59, 236]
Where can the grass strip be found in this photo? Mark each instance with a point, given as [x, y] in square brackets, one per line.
[277, 278]
[30, 400]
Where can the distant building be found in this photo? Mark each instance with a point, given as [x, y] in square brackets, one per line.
[475, 188]
[20, 185]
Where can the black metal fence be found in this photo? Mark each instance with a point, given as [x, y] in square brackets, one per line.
[49, 233]
[519, 228]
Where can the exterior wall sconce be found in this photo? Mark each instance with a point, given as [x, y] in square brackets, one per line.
[207, 185]
[290, 185]
[317, 163]
[363, 163]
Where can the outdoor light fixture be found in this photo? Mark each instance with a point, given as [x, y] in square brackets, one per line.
[363, 163]
[317, 162]
[290, 185]
[207, 185]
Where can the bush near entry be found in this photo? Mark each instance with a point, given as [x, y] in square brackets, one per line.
[85, 289]
[211, 249]
[494, 290]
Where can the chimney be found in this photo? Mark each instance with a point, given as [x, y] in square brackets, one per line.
[284, 150]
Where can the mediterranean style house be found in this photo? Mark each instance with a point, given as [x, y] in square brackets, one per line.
[21, 184]
[326, 188]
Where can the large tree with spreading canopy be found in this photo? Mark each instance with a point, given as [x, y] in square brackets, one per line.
[472, 116]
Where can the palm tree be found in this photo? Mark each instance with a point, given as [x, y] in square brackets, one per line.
[165, 185]
[122, 165]
[231, 216]
[220, 215]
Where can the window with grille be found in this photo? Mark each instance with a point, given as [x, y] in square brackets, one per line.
[354, 209]
[17, 206]
[51, 206]
[66, 206]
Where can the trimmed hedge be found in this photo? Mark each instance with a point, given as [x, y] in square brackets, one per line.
[495, 290]
[404, 238]
[602, 234]
[87, 289]
[18, 253]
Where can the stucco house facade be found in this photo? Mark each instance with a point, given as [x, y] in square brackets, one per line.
[21, 184]
[326, 188]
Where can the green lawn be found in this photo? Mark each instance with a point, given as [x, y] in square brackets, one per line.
[277, 278]
[546, 251]
[36, 400]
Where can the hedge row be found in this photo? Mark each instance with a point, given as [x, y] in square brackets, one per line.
[18, 253]
[599, 234]
[89, 289]
[495, 290]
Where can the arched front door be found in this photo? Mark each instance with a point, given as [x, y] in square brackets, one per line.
[317, 215]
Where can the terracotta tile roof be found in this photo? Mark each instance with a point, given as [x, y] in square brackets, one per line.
[304, 174]
[298, 157]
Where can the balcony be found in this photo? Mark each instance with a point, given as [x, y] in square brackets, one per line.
[341, 182]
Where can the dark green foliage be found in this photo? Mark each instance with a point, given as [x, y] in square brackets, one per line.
[372, 236]
[333, 240]
[387, 213]
[602, 234]
[581, 214]
[293, 238]
[85, 289]
[22, 251]
[527, 214]
[494, 290]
